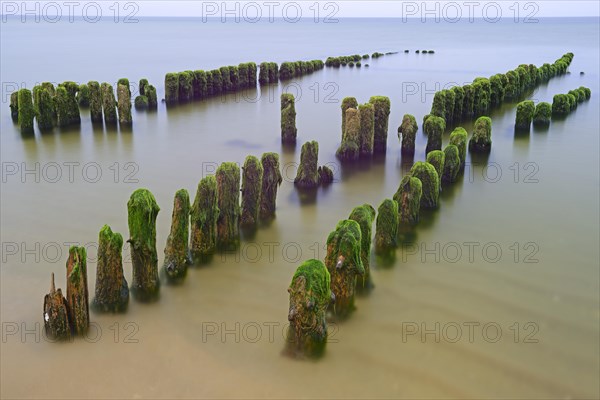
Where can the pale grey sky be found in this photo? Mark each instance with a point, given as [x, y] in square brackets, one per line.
[449, 10]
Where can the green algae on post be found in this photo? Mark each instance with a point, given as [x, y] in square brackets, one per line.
[481, 141]
[344, 263]
[228, 197]
[141, 103]
[186, 86]
[263, 75]
[242, 72]
[308, 173]
[45, 110]
[458, 138]
[430, 182]
[112, 292]
[542, 114]
[408, 131]
[26, 111]
[449, 105]
[152, 99]
[252, 181]
[109, 104]
[56, 314]
[434, 128]
[310, 295]
[561, 104]
[386, 227]
[67, 110]
[142, 211]
[381, 106]
[270, 183]
[288, 119]
[171, 88]
[286, 71]
[366, 113]
[83, 95]
[252, 74]
[124, 104]
[408, 198]
[459, 99]
[438, 108]
[349, 150]
[200, 84]
[204, 215]
[142, 86]
[273, 72]
[365, 216]
[77, 290]
[14, 105]
[437, 159]
[525, 111]
[347, 102]
[451, 164]
[177, 253]
[95, 101]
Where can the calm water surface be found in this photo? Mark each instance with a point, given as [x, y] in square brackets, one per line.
[539, 194]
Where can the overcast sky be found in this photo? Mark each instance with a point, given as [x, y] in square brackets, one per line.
[373, 8]
[265, 9]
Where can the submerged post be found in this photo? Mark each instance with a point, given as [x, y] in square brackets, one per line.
[344, 264]
[437, 158]
[308, 173]
[366, 140]
[451, 164]
[430, 182]
[408, 131]
[408, 198]
[77, 290]
[109, 104]
[525, 111]
[386, 227]
[434, 128]
[142, 212]
[349, 150]
[252, 181]
[26, 111]
[271, 181]
[112, 292]
[310, 295]
[56, 314]
[95, 101]
[288, 119]
[228, 195]
[177, 252]
[364, 215]
[124, 104]
[381, 106]
[481, 141]
[458, 138]
[347, 102]
[204, 216]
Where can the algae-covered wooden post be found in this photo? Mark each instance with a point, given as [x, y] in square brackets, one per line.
[228, 195]
[386, 227]
[451, 164]
[437, 159]
[408, 198]
[142, 212]
[95, 101]
[83, 95]
[273, 72]
[364, 215]
[142, 86]
[366, 113]
[14, 105]
[288, 119]
[310, 295]
[177, 253]
[560, 104]
[263, 75]
[204, 216]
[347, 102]
[349, 148]
[56, 314]
[124, 104]
[481, 141]
[141, 102]
[430, 182]
[434, 128]
[252, 182]
[77, 290]
[46, 114]
[381, 106]
[525, 111]
[152, 99]
[26, 111]
[459, 99]
[344, 263]
[458, 138]
[252, 75]
[438, 108]
[542, 114]
[242, 75]
[325, 175]
[112, 292]
[109, 104]
[67, 109]
[270, 183]
[449, 105]
[171, 88]
[186, 86]
[408, 131]
[308, 171]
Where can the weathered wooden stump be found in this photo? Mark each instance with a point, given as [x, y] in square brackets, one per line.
[77, 290]
[26, 111]
[366, 140]
[308, 172]
[347, 102]
[152, 99]
[434, 128]
[344, 264]
[46, 114]
[481, 141]
[142, 212]
[204, 216]
[325, 175]
[14, 105]
[109, 104]
[177, 252]
[386, 228]
[124, 104]
[458, 138]
[437, 159]
[408, 132]
[95, 101]
[112, 292]
[349, 149]
[288, 119]
[364, 215]
[56, 314]
[271, 181]
[542, 114]
[408, 198]
[381, 106]
[310, 295]
[252, 182]
[430, 182]
[228, 196]
[171, 88]
[451, 164]
[525, 111]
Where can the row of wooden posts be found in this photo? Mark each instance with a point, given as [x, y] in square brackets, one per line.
[60, 107]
